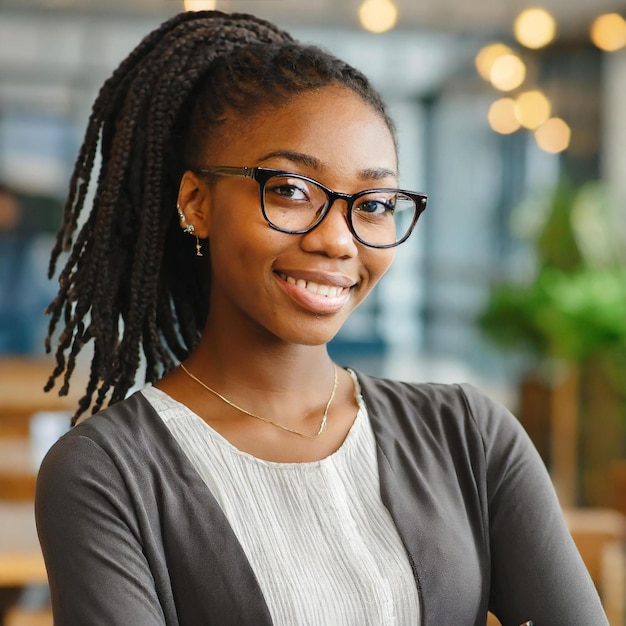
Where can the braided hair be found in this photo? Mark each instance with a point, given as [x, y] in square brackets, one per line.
[131, 281]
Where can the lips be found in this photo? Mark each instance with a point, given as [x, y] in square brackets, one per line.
[321, 289]
[320, 292]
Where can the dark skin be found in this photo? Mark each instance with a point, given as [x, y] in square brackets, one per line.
[264, 344]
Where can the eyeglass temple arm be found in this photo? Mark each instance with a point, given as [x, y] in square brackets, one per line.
[228, 170]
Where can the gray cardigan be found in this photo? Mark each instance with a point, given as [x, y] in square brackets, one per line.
[132, 535]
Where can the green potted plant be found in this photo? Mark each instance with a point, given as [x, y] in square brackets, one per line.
[569, 315]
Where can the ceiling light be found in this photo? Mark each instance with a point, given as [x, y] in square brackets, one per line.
[378, 16]
[487, 55]
[608, 32]
[553, 136]
[502, 117]
[532, 109]
[199, 5]
[507, 72]
[534, 28]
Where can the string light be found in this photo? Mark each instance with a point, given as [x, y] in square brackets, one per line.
[608, 32]
[486, 57]
[553, 136]
[502, 117]
[507, 72]
[532, 109]
[378, 16]
[499, 64]
[534, 28]
[199, 5]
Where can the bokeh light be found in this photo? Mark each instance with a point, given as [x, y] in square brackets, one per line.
[507, 72]
[378, 16]
[199, 5]
[502, 116]
[532, 109]
[553, 136]
[608, 32]
[534, 28]
[487, 55]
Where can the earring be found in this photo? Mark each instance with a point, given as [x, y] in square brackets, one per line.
[190, 230]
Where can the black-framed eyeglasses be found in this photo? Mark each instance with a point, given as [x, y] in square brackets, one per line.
[296, 204]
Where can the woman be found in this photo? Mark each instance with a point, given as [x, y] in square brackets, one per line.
[247, 203]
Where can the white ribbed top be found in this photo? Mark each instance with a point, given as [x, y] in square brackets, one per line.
[322, 545]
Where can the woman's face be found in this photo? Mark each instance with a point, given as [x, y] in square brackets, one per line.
[294, 288]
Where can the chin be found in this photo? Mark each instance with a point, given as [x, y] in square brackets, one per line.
[312, 334]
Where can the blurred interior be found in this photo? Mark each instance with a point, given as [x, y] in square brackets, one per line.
[514, 280]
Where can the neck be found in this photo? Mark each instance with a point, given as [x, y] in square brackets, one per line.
[277, 370]
[288, 393]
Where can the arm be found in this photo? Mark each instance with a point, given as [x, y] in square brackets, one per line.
[536, 571]
[97, 570]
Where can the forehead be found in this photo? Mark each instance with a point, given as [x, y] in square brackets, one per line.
[334, 125]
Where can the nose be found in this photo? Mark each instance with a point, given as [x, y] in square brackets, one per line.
[332, 236]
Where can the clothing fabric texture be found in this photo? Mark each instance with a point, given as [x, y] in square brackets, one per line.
[317, 535]
[132, 535]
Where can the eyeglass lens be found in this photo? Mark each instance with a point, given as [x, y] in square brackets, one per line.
[380, 218]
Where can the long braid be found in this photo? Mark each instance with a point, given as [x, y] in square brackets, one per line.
[131, 282]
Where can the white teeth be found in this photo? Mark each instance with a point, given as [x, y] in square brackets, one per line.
[322, 290]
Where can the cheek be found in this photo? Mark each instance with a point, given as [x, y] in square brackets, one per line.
[232, 258]
[244, 251]
[232, 243]
[374, 264]
[377, 262]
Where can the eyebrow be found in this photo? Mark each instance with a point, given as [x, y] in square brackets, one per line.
[371, 173]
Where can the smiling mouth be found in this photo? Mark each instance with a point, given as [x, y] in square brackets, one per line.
[329, 291]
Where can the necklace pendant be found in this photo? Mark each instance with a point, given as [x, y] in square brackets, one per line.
[322, 427]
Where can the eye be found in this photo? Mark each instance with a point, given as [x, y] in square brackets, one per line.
[288, 188]
[377, 206]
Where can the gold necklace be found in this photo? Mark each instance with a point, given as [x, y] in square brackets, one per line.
[321, 429]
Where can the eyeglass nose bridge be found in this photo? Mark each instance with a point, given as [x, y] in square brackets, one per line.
[331, 198]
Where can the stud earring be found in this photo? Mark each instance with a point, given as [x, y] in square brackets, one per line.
[181, 215]
[198, 247]
[189, 229]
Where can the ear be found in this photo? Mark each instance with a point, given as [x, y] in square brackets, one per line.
[194, 203]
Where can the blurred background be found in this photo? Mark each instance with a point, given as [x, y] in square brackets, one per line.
[510, 116]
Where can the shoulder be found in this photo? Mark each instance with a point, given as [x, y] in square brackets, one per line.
[434, 405]
[457, 424]
[120, 440]
[129, 427]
